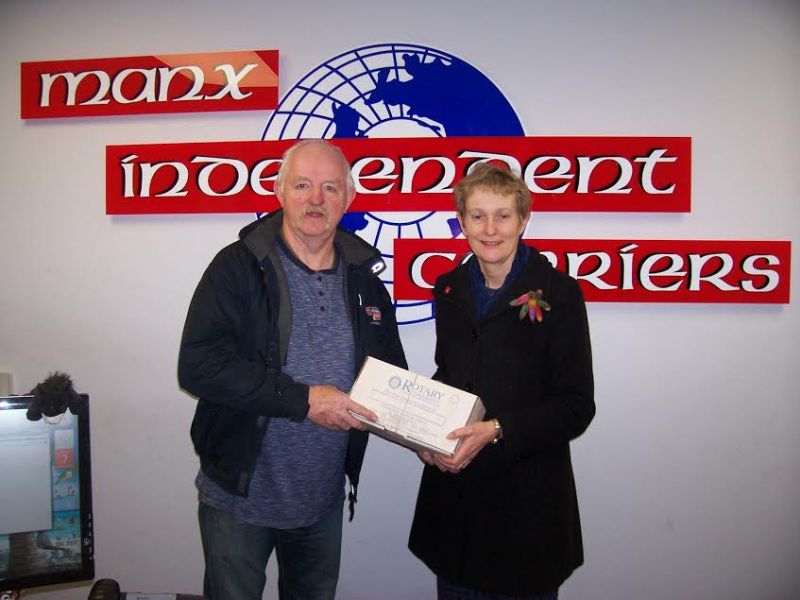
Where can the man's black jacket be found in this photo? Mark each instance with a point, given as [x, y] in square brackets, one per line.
[235, 341]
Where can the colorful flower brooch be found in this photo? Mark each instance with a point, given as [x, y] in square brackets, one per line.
[532, 304]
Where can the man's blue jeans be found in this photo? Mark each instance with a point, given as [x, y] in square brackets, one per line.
[236, 557]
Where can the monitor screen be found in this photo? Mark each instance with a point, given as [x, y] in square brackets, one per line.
[46, 496]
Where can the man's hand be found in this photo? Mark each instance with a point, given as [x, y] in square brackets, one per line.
[330, 408]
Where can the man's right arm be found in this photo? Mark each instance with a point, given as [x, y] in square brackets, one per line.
[211, 365]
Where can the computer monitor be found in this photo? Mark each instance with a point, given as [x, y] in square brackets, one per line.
[45, 496]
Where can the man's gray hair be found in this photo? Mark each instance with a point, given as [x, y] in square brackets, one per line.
[332, 148]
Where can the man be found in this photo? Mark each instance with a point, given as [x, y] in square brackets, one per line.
[279, 325]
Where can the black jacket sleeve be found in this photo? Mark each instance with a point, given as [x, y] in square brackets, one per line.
[224, 353]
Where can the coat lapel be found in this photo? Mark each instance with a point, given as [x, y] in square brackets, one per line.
[534, 276]
[455, 288]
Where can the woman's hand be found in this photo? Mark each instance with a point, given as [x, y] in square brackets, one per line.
[426, 457]
[473, 438]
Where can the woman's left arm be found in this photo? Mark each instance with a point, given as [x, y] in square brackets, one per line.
[567, 404]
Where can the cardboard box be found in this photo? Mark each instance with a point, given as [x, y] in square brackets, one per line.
[414, 411]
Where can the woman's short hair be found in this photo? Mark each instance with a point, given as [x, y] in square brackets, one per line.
[497, 179]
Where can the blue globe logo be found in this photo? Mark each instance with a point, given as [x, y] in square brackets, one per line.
[394, 90]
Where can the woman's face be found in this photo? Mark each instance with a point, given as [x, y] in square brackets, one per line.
[492, 227]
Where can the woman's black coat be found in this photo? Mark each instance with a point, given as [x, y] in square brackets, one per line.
[509, 522]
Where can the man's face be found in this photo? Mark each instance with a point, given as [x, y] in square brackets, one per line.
[314, 195]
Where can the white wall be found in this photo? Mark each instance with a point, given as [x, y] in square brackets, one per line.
[688, 478]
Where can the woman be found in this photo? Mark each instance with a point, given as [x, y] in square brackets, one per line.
[499, 519]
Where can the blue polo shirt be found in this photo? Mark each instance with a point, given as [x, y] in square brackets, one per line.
[299, 476]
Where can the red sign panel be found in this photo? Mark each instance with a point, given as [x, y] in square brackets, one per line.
[246, 80]
[626, 270]
[630, 174]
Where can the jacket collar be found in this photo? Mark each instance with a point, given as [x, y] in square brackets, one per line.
[455, 285]
[261, 236]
